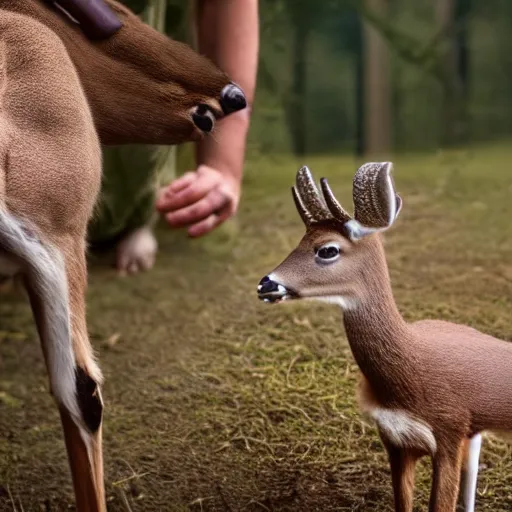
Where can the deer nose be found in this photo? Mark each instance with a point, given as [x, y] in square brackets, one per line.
[267, 286]
[232, 99]
[203, 118]
[271, 291]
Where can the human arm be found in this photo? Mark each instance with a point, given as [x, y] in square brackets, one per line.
[228, 33]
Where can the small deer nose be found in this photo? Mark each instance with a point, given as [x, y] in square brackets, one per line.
[274, 292]
[267, 286]
[232, 99]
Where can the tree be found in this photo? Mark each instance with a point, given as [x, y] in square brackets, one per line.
[302, 15]
[452, 109]
[296, 20]
[444, 56]
[376, 85]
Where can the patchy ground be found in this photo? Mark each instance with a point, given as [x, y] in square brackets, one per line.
[218, 402]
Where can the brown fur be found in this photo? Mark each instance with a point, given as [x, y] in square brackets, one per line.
[51, 170]
[449, 377]
[141, 85]
[60, 97]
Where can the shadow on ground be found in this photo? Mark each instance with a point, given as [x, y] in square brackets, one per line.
[216, 402]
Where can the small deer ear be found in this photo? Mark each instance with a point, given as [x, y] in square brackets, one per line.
[376, 203]
[399, 204]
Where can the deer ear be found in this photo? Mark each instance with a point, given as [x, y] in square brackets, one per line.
[376, 203]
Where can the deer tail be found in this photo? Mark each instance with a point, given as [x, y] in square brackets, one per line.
[45, 277]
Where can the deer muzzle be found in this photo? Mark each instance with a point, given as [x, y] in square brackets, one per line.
[270, 290]
[232, 99]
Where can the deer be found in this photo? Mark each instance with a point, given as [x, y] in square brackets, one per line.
[432, 387]
[74, 75]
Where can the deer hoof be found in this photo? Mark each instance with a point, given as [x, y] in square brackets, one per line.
[137, 252]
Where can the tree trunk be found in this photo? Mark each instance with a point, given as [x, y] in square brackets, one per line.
[155, 13]
[453, 101]
[296, 111]
[359, 89]
[462, 43]
[377, 85]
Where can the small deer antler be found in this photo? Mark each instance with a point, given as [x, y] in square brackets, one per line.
[306, 217]
[334, 206]
[311, 206]
[376, 204]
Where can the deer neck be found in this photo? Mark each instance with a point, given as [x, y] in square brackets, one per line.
[136, 81]
[102, 77]
[379, 338]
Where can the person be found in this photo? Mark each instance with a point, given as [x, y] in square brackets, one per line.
[203, 198]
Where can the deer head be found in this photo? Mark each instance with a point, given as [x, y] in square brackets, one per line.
[142, 86]
[338, 252]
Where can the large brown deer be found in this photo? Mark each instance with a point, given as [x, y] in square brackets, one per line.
[70, 79]
[432, 386]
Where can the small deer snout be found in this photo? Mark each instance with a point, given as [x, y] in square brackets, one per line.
[271, 291]
[267, 286]
[232, 99]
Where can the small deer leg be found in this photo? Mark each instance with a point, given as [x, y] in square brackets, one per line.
[76, 384]
[471, 472]
[402, 463]
[447, 464]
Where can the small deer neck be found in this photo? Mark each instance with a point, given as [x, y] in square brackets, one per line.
[379, 338]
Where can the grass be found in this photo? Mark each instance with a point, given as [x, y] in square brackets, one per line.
[216, 402]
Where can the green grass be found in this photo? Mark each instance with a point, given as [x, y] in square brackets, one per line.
[218, 402]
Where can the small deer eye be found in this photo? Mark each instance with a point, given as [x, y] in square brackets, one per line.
[328, 252]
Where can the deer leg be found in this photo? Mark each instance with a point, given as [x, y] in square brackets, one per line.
[84, 442]
[76, 387]
[86, 461]
[402, 463]
[447, 464]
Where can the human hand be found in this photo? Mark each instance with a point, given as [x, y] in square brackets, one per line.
[199, 200]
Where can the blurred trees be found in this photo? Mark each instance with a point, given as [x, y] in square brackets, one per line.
[444, 56]
[376, 75]
[376, 84]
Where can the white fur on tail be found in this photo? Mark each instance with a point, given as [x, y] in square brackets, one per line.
[45, 272]
[403, 430]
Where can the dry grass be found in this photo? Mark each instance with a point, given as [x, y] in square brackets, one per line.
[217, 402]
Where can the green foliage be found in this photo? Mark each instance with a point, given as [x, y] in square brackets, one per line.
[175, 12]
[419, 80]
[137, 6]
[309, 89]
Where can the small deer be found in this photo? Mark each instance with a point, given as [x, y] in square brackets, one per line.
[61, 95]
[432, 387]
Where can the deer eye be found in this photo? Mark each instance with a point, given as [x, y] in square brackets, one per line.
[328, 253]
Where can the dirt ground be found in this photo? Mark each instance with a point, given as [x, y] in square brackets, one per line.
[217, 402]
